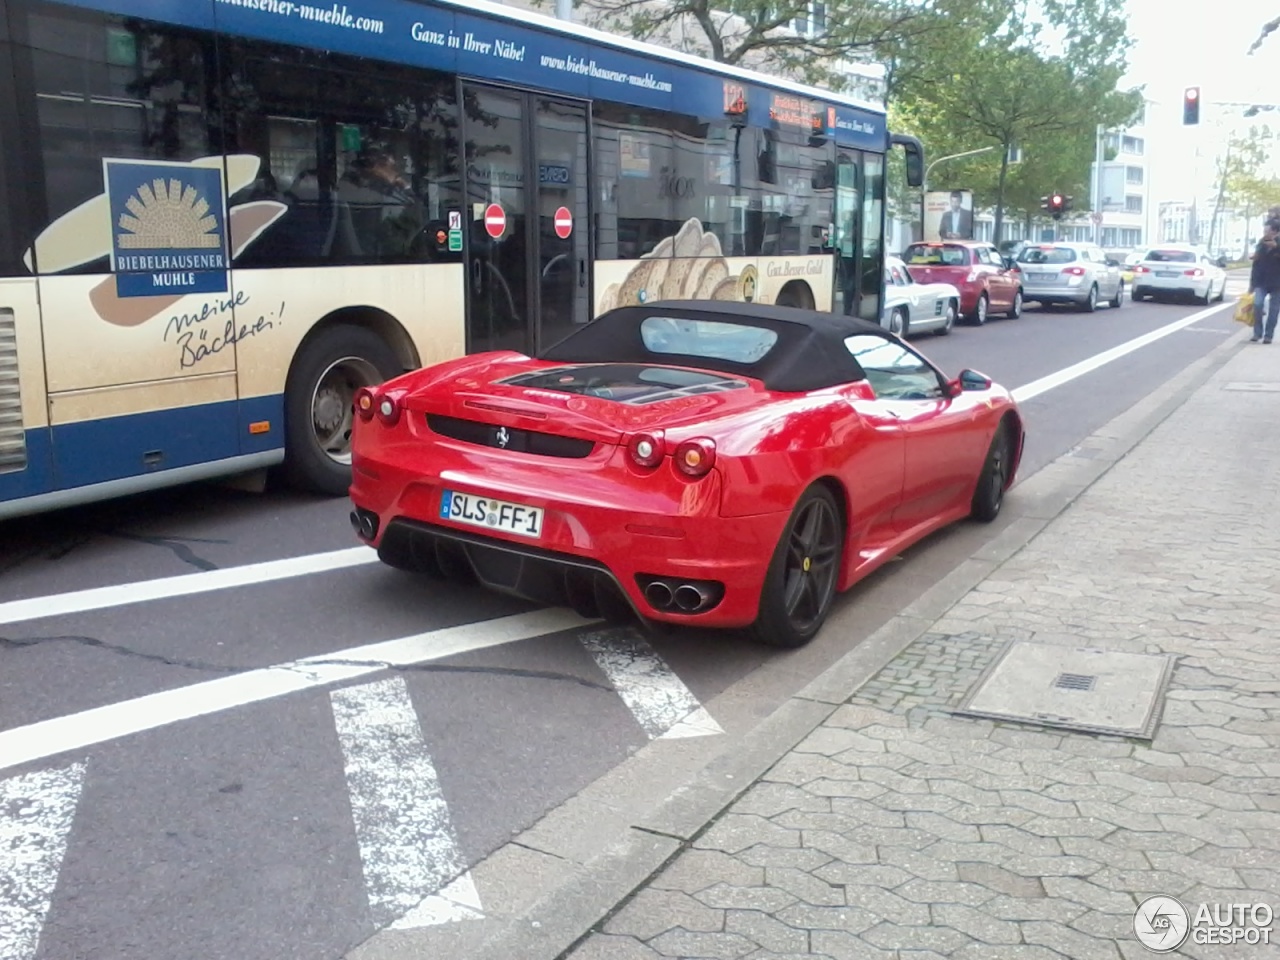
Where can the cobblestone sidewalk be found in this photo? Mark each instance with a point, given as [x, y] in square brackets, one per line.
[899, 831]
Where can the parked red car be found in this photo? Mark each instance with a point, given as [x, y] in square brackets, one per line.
[701, 463]
[988, 284]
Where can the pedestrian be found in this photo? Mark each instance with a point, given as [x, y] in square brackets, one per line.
[1264, 281]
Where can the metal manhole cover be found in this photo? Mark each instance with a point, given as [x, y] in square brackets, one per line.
[1076, 688]
[1252, 386]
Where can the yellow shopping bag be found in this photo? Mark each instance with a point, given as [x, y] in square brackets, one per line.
[1244, 310]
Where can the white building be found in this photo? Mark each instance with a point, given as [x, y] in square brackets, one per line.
[1124, 188]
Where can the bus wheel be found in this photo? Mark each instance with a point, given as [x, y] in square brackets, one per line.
[319, 404]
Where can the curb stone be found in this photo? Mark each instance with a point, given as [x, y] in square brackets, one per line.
[565, 915]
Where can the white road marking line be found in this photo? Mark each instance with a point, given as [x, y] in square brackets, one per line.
[1056, 379]
[163, 588]
[660, 701]
[36, 813]
[408, 846]
[77, 730]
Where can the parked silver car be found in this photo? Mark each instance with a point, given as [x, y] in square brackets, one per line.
[1074, 273]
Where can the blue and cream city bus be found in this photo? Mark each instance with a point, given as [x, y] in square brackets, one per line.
[219, 218]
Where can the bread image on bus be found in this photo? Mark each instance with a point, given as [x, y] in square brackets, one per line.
[691, 265]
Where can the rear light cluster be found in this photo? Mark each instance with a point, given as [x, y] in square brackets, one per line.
[693, 458]
[1197, 272]
[385, 406]
[1141, 269]
[1075, 271]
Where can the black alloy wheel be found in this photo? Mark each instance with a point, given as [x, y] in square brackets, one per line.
[988, 497]
[801, 582]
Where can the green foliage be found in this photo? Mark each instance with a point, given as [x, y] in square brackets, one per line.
[758, 34]
[1001, 78]
[1245, 187]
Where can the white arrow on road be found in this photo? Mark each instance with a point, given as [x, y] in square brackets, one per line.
[36, 813]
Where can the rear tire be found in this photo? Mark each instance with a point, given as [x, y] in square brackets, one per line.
[980, 311]
[1016, 311]
[1118, 300]
[800, 584]
[1090, 303]
[988, 496]
[319, 404]
[950, 319]
[1138, 295]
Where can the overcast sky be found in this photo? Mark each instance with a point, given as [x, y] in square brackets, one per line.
[1205, 44]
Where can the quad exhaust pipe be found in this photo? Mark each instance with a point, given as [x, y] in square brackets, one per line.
[364, 523]
[681, 596]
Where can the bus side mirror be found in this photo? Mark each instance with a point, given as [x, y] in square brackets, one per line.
[914, 151]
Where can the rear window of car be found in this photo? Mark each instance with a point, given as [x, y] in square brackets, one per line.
[939, 255]
[1047, 255]
[710, 339]
[1170, 256]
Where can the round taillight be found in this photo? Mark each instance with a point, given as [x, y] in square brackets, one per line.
[646, 450]
[695, 458]
[389, 410]
[365, 403]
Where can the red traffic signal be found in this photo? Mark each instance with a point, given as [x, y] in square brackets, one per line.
[1191, 106]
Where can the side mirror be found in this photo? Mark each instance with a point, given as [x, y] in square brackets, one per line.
[973, 380]
[1010, 263]
[914, 152]
[1222, 262]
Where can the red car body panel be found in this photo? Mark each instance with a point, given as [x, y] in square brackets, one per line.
[901, 469]
[983, 271]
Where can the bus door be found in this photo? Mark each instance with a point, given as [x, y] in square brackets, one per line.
[527, 215]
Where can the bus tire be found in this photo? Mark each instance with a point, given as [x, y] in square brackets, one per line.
[319, 404]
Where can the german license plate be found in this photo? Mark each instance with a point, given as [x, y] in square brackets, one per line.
[1044, 276]
[491, 514]
[1166, 273]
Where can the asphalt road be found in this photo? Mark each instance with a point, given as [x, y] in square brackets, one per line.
[264, 814]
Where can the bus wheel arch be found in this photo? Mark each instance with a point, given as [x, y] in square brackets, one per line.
[348, 349]
[796, 293]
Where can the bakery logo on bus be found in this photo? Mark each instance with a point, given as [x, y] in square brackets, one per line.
[168, 228]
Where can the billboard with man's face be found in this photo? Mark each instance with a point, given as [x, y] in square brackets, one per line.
[948, 215]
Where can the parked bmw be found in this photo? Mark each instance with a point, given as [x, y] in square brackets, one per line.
[1179, 269]
[1073, 273]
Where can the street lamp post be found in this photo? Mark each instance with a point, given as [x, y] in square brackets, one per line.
[924, 187]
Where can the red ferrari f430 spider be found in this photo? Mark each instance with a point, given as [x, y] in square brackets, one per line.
[699, 463]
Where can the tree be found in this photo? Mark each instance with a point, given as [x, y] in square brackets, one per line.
[1268, 28]
[760, 35]
[1243, 186]
[1012, 86]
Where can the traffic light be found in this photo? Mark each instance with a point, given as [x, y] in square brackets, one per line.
[1191, 106]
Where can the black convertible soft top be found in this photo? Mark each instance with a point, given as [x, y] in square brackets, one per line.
[809, 353]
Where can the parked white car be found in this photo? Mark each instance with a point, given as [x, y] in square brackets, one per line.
[1178, 269]
[911, 307]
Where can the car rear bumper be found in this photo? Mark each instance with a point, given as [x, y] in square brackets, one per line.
[1040, 292]
[596, 549]
[1171, 286]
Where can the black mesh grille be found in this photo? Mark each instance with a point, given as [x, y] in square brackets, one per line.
[509, 438]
